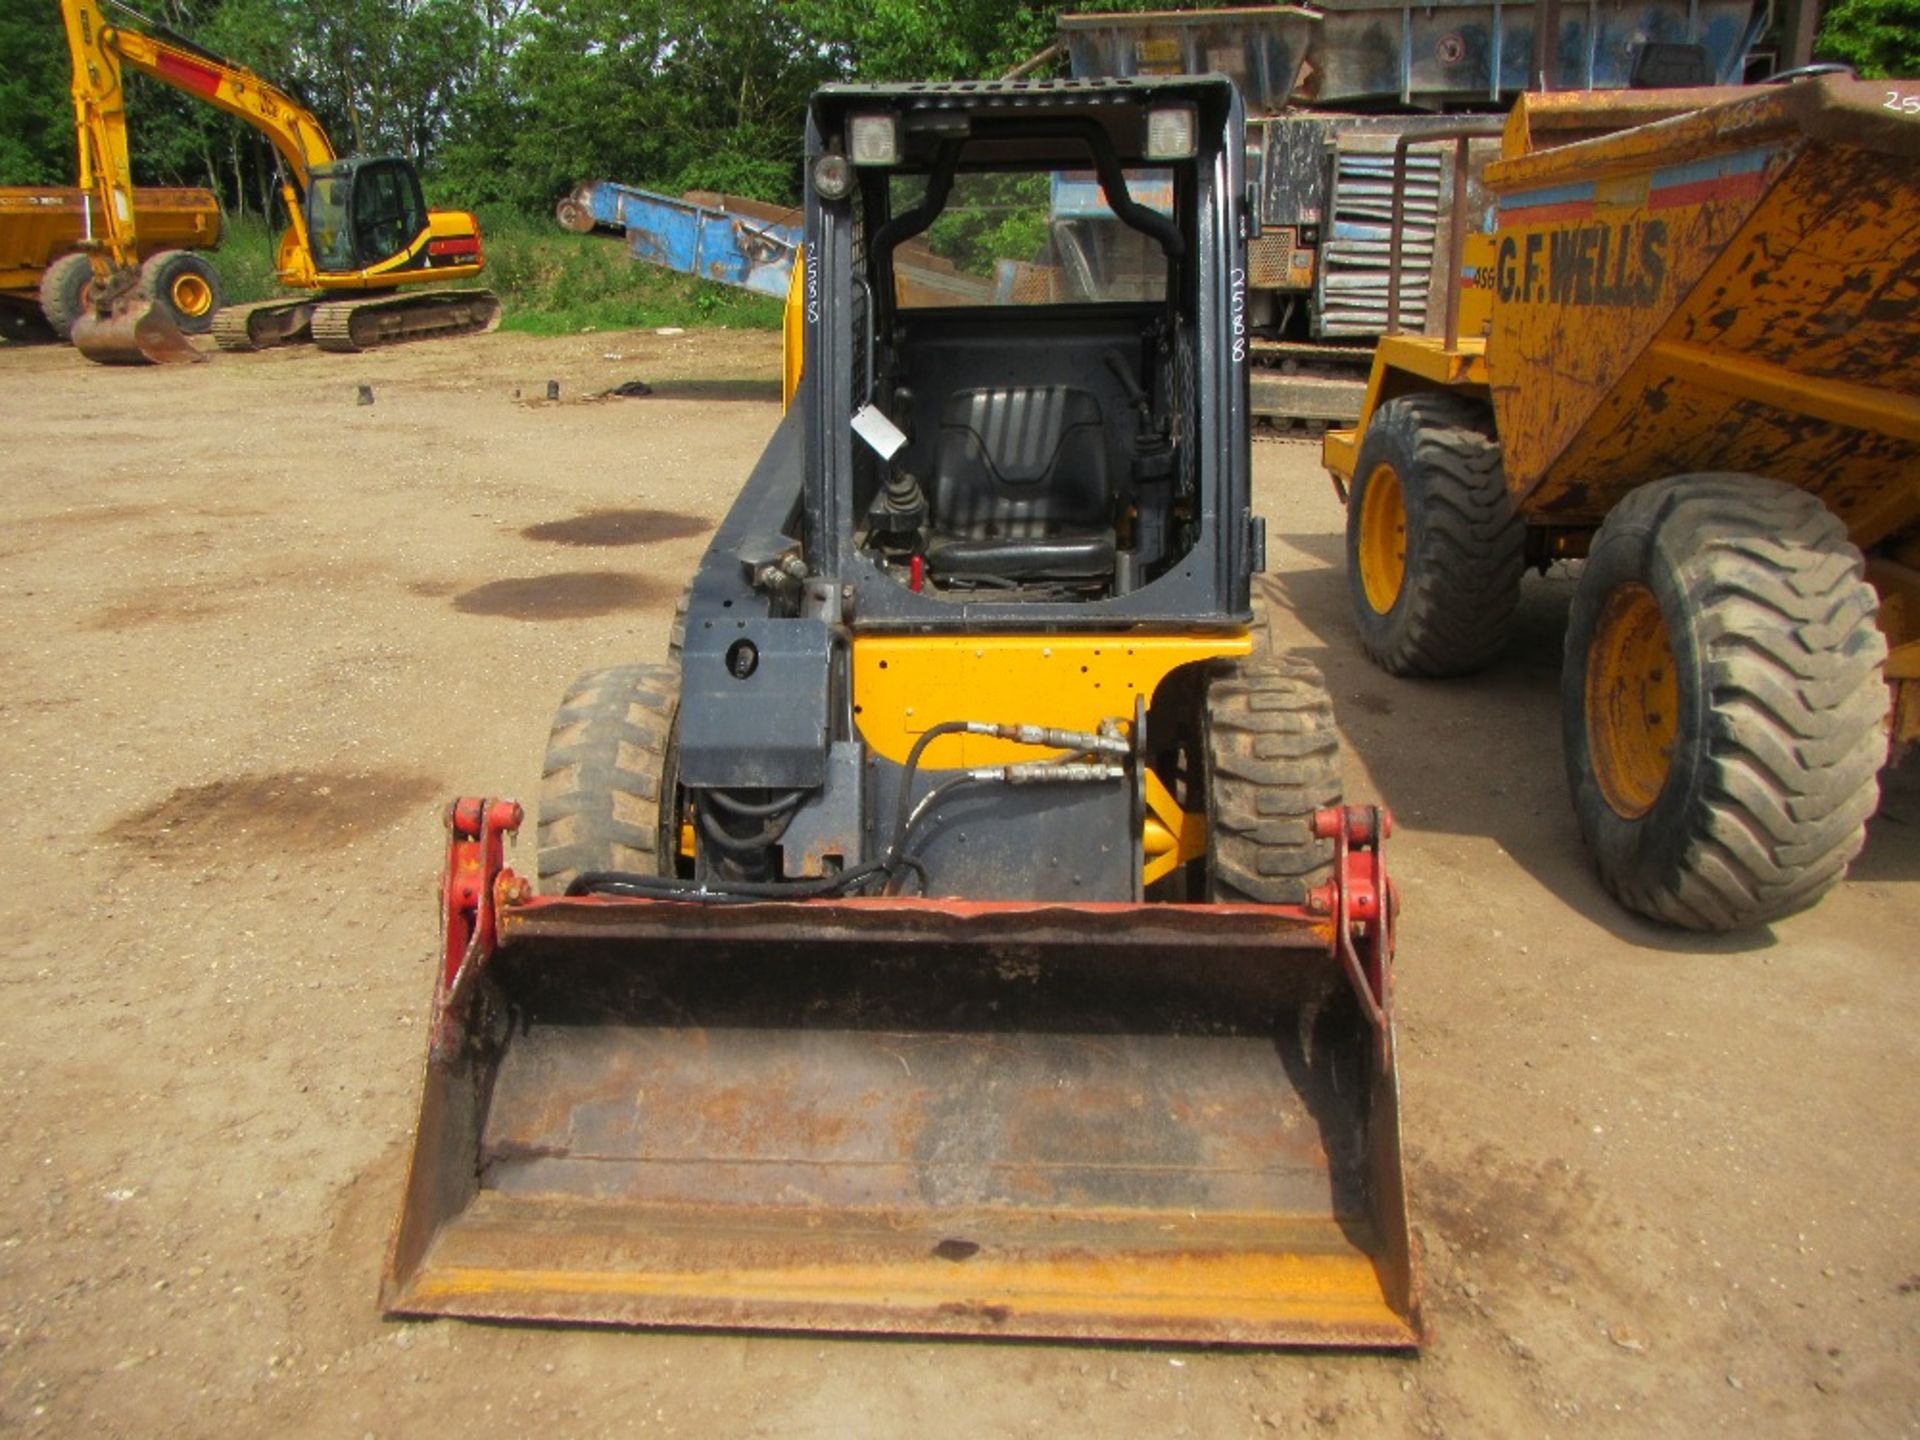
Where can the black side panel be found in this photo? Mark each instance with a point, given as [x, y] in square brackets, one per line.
[1071, 842]
[765, 518]
[753, 702]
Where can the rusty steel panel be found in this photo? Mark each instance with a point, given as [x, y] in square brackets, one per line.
[1431, 56]
[1149, 1122]
[134, 331]
[1733, 290]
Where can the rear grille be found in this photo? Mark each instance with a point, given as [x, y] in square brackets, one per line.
[1354, 260]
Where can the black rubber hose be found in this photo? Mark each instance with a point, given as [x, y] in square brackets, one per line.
[666, 887]
[768, 834]
[748, 809]
[725, 839]
[906, 859]
[927, 737]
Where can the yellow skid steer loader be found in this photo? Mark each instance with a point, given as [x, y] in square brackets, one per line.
[963, 932]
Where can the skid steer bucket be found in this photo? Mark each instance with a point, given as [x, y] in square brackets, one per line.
[1153, 1122]
[132, 331]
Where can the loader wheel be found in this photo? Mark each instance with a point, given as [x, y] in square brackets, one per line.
[1434, 549]
[1273, 758]
[605, 771]
[1722, 701]
[185, 285]
[65, 288]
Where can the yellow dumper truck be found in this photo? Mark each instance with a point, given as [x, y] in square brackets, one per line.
[1686, 351]
[45, 274]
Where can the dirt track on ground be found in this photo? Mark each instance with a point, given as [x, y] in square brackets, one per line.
[258, 633]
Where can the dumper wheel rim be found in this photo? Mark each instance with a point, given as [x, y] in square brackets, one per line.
[1272, 757]
[1778, 700]
[190, 295]
[1632, 700]
[185, 285]
[605, 774]
[1382, 547]
[1435, 548]
[66, 288]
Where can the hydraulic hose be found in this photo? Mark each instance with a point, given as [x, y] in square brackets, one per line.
[907, 816]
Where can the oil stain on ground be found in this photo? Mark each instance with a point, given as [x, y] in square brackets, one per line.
[295, 810]
[158, 607]
[574, 595]
[618, 527]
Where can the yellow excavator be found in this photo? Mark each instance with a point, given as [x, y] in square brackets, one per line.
[359, 231]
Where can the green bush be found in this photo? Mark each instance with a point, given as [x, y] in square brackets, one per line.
[245, 259]
[550, 281]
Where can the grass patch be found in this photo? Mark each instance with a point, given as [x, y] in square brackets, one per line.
[245, 260]
[550, 281]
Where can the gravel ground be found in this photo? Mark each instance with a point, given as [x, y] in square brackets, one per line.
[258, 633]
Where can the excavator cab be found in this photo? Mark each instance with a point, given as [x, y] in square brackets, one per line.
[365, 212]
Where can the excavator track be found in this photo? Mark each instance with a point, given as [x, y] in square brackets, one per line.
[394, 318]
[263, 324]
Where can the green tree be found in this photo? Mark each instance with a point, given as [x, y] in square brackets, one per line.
[36, 115]
[668, 94]
[899, 40]
[1876, 37]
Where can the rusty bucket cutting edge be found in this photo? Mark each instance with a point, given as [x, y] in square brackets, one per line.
[1161, 1123]
[136, 332]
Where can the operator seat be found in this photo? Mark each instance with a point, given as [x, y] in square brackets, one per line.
[1020, 486]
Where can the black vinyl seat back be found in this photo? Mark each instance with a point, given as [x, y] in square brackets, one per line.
[1021, 487]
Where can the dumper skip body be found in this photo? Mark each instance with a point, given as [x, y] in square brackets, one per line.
[1686, 352]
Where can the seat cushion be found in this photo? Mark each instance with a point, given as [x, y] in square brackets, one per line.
[1060, 557]
[1020, 488]
[1026, 460]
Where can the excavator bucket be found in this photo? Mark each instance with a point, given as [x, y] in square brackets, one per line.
[1168, 1123]
[132, 331]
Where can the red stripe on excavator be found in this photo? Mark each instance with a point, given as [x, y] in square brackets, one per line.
[455, 245]
[190, 74]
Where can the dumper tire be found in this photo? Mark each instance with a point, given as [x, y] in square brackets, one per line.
[184, 285]
[1737, 791]
[1429, 480]
[601, 786]
[1272, 760]
[65, 288]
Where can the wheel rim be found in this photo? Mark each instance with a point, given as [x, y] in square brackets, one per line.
[1383, 538]
[191, 295]
[1633, 701]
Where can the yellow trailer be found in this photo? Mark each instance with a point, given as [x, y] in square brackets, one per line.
[45, 275]
[1686, 351]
